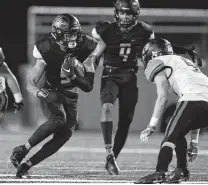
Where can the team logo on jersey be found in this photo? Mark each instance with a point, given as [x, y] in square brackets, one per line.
[125, 45]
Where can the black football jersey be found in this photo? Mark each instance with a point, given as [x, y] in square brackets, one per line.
[54, 57]
[122, 49]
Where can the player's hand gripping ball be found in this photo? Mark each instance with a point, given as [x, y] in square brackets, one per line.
[47, 94]
[72, 66]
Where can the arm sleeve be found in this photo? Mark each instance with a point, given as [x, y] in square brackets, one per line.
[153, 68]
[85, 83]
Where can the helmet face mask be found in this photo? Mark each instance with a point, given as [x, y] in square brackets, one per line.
[67, 31]
[126, 14]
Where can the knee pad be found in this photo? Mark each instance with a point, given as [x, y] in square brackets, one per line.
[107, 107]
[64, 132]
[56, 122]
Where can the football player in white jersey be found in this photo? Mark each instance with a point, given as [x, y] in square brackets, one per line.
[172, 72]
[6, 76]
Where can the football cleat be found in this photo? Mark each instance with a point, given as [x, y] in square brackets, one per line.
[18, 154]
[111, 165]
[177, 176]
[153, 178]
[22, 170]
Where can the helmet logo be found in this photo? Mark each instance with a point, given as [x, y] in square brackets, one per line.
[60, 23]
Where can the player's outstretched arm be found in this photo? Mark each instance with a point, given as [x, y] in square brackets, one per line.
[12, 82]
[162, 86]
[34, 76]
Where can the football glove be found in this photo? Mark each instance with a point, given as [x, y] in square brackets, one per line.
[43, 93]
[192, 151]
[195, 57]
[18, 106]
[146, 133]
[47, 94]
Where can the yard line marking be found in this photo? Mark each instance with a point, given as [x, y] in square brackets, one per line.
[125, 150]
[84, 181]
[65, 180]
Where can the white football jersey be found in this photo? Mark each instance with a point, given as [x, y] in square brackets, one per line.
[185, 78]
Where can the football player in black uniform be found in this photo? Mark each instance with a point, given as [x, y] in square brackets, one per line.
[60, 57]
[122, 42]
[7, 77]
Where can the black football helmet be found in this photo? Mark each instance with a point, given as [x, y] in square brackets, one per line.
[67, 31]
[154, 48]
[126, 13]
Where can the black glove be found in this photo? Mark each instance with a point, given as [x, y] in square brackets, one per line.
[192, 151]
[18, 106]
[195, 57]
[47, 94]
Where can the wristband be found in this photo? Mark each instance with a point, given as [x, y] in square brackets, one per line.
[153, 122]
[18, 97]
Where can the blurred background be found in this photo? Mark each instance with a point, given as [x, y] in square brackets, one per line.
[22, 24]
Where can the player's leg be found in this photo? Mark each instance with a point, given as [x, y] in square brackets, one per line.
[108, 95]
[61, 136]
[3, 106]
[177, 128]
[56, 119]
[128, 97]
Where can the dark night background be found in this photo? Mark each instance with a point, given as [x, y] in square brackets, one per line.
[13, 18]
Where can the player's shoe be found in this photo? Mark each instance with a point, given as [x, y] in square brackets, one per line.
[22, 170]
[18, 154]
[153, 178]
[111, 165]
[178, 175]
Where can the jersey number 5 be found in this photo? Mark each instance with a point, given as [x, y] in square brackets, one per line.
[192, 65]
[124, 52]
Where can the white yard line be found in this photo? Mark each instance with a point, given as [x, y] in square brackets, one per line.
[125, 150]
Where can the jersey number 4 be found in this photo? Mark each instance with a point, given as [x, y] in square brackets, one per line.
[124, 53]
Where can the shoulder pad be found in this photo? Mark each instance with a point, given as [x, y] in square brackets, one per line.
[146, 26]
[89, 42]
[153, 68]
[43, 45]
[101, 27]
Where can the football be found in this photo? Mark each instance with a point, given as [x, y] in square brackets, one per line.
[74, 64]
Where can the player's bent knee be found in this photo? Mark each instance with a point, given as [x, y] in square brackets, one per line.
[107, 108]
[57, 121]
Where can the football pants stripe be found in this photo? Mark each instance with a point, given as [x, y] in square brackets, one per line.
[173, 121]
